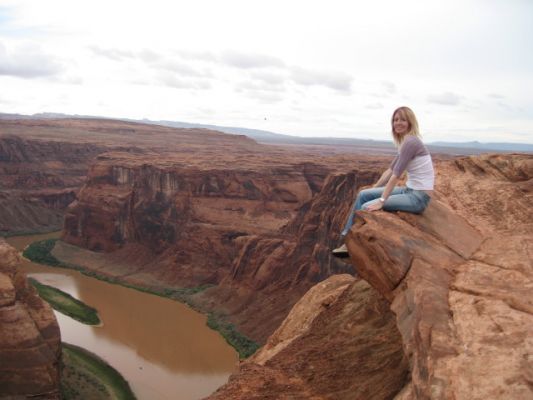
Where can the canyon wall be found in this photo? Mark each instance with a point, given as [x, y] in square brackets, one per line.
[30, 342]
[261, 234]
[452, 287]
[43, 163]
[38, 180]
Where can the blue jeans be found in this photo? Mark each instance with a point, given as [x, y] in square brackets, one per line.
[400, 199]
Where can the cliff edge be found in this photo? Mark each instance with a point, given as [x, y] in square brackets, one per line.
[30, 341]
[459, 279]
[452, 287]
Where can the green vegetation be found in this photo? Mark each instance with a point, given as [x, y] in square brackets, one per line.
[40, 252]
[85, 376]
[244, 346]
[66, 304]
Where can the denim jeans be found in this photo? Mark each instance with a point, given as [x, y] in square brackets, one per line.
[400, 199]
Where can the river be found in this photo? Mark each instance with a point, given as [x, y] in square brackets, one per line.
[163, 348]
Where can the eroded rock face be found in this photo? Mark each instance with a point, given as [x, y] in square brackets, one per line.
[459, 279]
[262, 234]
[38, 180]
[338, 342]
[30, 342]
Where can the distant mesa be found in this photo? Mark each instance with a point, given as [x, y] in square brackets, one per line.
[262, 136]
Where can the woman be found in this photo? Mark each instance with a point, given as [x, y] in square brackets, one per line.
[412, 157]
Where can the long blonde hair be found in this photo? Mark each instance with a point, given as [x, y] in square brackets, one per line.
[409, 115]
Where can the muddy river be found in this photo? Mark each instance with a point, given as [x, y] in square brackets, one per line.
[162, 348]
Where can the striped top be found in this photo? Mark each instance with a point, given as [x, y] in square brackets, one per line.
[413, 157]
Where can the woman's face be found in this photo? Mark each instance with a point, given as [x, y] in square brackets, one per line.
[400, 125]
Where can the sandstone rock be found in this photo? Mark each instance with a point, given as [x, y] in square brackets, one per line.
[462, 295]
[338, 342]
[252, 229]
[29, 336]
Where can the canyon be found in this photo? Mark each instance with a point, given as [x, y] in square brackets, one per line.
[433, 306]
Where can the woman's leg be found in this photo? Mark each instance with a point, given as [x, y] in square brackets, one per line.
[407, 200]
[364, 196]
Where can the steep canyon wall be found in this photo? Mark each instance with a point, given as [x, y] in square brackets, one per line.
[30, 342]
[261, 234]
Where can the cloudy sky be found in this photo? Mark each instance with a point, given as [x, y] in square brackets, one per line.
[307, 68]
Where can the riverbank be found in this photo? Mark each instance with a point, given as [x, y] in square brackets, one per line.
[86, 376]
[66, 304]
[41, 252]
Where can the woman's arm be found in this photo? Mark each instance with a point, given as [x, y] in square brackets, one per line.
[385, 176]
[393, 180]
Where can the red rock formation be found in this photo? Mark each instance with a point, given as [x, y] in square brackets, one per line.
[30, 342]
[38, 179]
[459, 279]
[42, 160]
[338, 342]
[254, 230]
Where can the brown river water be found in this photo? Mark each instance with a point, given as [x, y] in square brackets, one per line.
[163, 348]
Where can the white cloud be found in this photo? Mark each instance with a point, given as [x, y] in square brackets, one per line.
[374, 106]
[170, 79]
[27, 61]
[248, 60]
[337, 69]
[269, 77]
[446, 98]
[390, 87]
[112, 54]
[337, 81]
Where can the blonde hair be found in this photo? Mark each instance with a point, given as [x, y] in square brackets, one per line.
[409, 115]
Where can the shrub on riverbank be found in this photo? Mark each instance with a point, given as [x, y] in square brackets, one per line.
[244, 346]
[85, 376]
[66, 304]
[39, 252]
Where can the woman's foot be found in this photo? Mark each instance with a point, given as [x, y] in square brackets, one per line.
[341, 252]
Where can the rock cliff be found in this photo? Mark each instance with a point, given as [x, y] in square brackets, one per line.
[43, 163]
[338, 342]
[254, 230]
[38, 179]
[458, 280]
[30, 342]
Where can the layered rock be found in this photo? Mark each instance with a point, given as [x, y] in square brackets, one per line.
[338, 342]
[38, 179]
[459, 279]
[458, 282]
[269, 275]
[30, 342]
[43, 163]
[255, 231]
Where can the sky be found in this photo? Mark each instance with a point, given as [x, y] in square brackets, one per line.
[307, 68]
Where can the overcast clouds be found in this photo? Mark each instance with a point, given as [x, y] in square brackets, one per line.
[308, 68]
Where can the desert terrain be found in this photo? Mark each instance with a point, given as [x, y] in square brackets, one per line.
[434, 306]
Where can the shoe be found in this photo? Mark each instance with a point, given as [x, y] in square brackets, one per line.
[341, 252]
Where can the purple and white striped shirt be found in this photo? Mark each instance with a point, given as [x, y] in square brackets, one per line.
[413, 157]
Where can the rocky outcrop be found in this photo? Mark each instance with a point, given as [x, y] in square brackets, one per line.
[338, 342]
[459, 279]
[30, 342]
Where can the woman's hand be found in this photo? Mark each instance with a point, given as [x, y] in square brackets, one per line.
[378, 205]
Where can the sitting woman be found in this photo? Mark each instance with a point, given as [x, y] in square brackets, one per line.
[412, 157]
